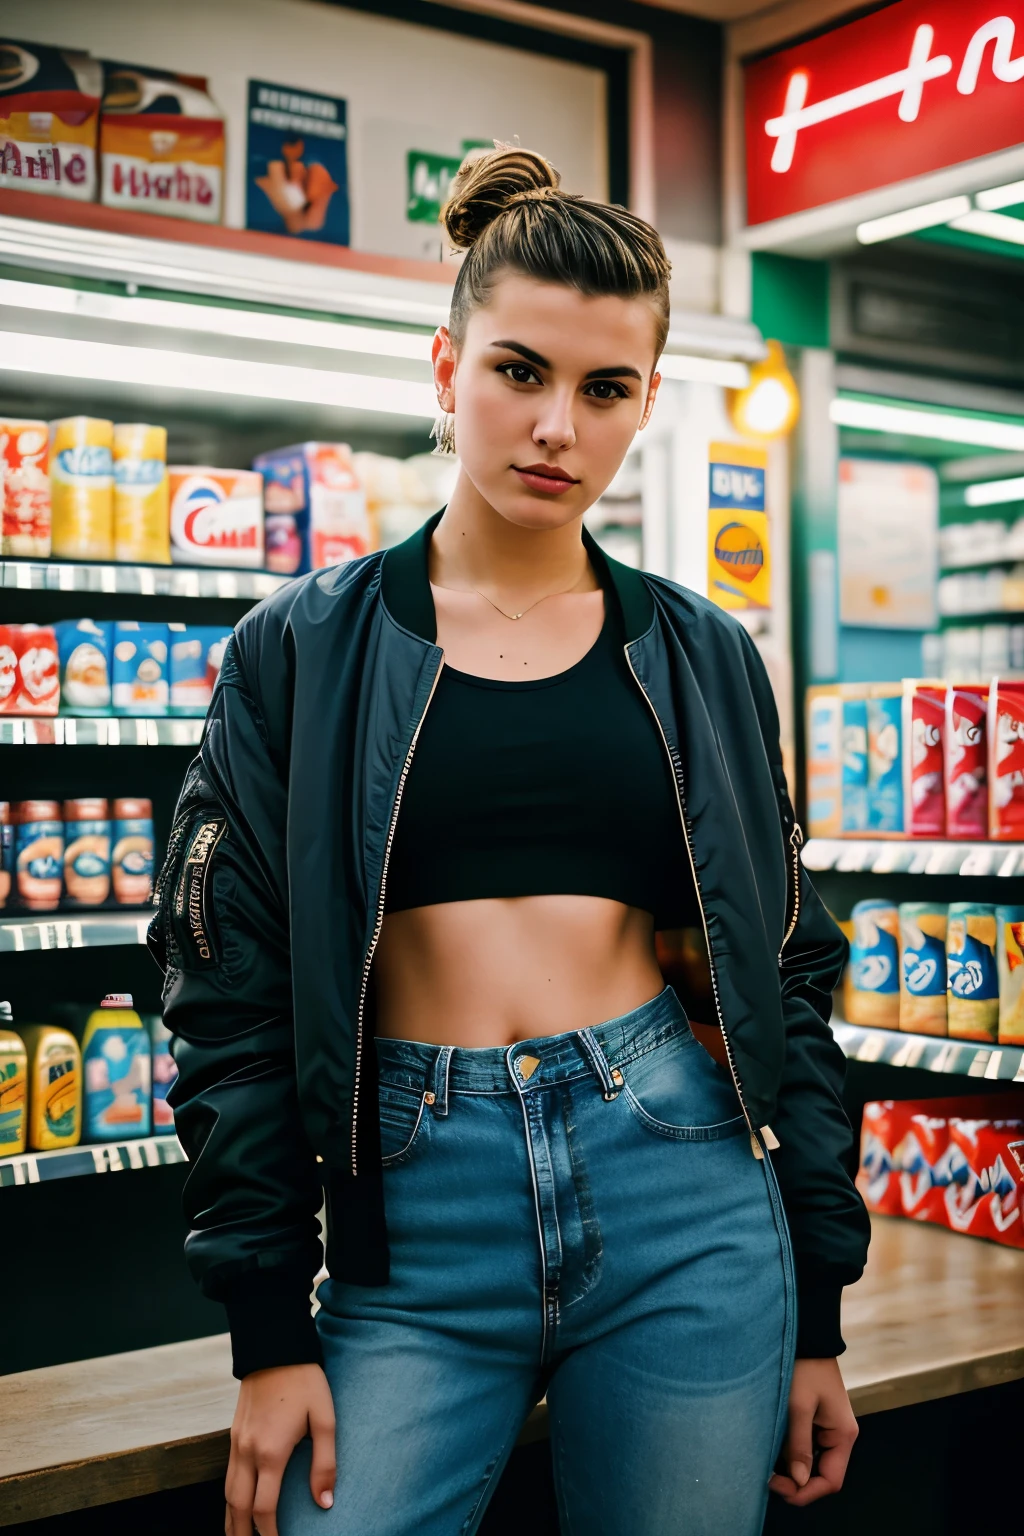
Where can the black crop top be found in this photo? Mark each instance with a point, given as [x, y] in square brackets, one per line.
[560, 786]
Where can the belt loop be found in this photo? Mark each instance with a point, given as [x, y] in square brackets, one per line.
[610, 1078]
[437, 1081]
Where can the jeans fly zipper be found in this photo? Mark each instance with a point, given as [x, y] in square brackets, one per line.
[368, 961]
[677, 780]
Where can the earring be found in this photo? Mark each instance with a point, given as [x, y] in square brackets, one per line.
[443, 432]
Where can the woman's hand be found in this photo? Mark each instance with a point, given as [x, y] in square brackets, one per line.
[276, 1409]
[822, 1430]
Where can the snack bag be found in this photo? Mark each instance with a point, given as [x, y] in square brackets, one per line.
[85, 649]
[855, 758]
[824, 762]
[161, 143]
[924, 717]
[1006, 760]
[872, 994]
[972, 978]
[25, 487]
[966, 769]
[49, 108]
[885, 759]
[923, 967]
[1010, 965]
[216, 517]
[315, 507]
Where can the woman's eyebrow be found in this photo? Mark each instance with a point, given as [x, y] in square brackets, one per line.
[527, 352]
[621, 370]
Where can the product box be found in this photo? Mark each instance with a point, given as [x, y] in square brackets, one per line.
[315, 507]
[966, 761]
[85, 648]
[1006, 760]
[82, 488]
[24, 488]
[161, 143]
[141, 494]
[29, 671]
[216, 517]
[196, 652]
[140, 668]
[1010, 964]
[855, 757]
[824, 762]
[885, 760]
[923, 725]
[923, 967]
[972, 973]
[49, 109]
[872, 981]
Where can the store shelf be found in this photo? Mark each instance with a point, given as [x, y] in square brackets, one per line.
[954, 1058]
[86, 930]
[919, 856]
[75, 1162]
[137, 580]
[102, 731]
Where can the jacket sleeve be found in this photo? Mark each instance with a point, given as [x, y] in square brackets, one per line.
[815, 1160]
[220, 934]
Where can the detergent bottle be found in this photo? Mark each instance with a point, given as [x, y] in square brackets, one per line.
[13, 1074]
[116, 1069]
[55, 1096]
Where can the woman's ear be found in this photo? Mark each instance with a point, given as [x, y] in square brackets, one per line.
[652, 392]
[442, 353]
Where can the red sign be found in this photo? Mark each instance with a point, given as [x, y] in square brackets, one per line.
[918, 86]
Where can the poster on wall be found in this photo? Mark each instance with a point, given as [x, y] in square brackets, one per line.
[429, 178]
[888, 516]
[296, 165]
[739, 564]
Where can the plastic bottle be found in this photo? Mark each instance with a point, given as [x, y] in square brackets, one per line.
[132, 863]
[86, 852]
[39, 854]
[55, 1087]
[116, 1065]
[164, 1072]
[13, 1079]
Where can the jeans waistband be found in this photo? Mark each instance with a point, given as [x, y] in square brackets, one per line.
[535, 1063]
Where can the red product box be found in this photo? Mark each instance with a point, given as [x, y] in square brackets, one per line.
[924, 796]
[966, 761]
[29, 672]
[986, 1187]
[1006, 760]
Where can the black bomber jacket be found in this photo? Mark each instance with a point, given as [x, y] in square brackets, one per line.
[271, 898]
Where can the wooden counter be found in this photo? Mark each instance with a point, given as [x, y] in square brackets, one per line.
[935, 1314]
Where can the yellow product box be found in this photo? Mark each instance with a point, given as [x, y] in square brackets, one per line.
[142, 517]
[82, 488]
[49, 110]
[161, 144]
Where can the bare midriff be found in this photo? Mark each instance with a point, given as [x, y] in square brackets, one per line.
[495, 971]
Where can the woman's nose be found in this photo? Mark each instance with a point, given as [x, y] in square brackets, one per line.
[555, 429]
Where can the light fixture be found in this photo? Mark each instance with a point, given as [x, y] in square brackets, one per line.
[925, 216]
[110, 363]
[703, 370]
[1000, 197]
[872, 416]
[769, 405]
[994, 226]
[991, 493]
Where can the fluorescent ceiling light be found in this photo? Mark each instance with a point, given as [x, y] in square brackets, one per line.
[994, 226]
[1000, 197]
[703, 370]
[924, 216]
[289, 330]
[993, 492]
[870, 416]
[109, 363]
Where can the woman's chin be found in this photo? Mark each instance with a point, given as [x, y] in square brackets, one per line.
[538, 512]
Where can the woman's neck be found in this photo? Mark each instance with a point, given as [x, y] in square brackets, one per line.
[474, 548]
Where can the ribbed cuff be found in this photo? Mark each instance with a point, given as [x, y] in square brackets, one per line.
[818, 1336]
[271, 1321]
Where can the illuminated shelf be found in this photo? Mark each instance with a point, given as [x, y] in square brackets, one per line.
[960, 1058]
[137, 580]
[77, 930]
[915, 856]
[74, 1162]
[101, 731]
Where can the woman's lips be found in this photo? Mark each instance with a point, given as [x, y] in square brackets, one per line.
[551, 485]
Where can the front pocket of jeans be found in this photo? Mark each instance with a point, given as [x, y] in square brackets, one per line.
[677, 1091]
[403, 1123]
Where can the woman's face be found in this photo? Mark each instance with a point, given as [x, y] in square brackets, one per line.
[548, 389]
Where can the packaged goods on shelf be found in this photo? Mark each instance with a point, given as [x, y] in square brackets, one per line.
[885, 759]
[29, 670]
[1006, 760]
[855, 757]
[216, 517]
[86, 852]
[194, 661]
[923, 967]
[1010, 964]
[824, 762]
[141, 494]
[402, 493]
[24, 488]
[82, 488]
[49, 109]
[55, 1087]
[314, 506]
[132, 858]
[956, 1162]
[966, 761]
[872, 981]
[165, 1071]
[993, 591]
[969, 543]
[38, 854]
[13, 1086]
[161, 143]
[972, 972]
[58, 856]
[116, 1065]
[6, 853]
[85, 648]
[139, 673]
[924, 799]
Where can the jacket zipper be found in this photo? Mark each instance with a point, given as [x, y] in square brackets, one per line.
[796, 838]
[677, 780]
[368, 961]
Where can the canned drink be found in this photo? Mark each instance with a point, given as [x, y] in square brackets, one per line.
[86, 852]
[923, 967]
[972, 977]
[142, 529]
[82, 488]
[25, 489]
[132, 861]
[873, 985]
[1010, 965]
[39, 853]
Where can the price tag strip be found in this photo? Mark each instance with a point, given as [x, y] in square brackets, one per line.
[74, 1162]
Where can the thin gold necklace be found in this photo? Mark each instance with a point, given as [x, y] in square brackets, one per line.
[527, 609]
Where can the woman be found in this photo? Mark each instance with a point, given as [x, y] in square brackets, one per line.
[445, 796]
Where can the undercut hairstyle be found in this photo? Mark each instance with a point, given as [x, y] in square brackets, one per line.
[507, 211]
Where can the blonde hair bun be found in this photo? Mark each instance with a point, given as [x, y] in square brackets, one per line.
[489, 182]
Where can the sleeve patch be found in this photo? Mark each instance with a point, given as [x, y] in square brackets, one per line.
[195, 922]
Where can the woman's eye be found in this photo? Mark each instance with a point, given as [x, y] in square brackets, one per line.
[606, 389]
[519, 373]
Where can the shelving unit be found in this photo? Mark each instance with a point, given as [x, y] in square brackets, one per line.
[137, 580]
[79, 1162]
[83, 930]
[100, 731]
[959, 1058]
[879, 856]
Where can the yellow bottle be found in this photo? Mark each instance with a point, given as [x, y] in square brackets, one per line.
[55, 1095]
[13, 1077]
[142, 519]
[82, 488]
[116, 1066]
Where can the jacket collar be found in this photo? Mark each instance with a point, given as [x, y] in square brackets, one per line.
[405, 584]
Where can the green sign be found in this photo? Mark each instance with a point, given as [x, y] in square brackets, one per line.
[430, 176]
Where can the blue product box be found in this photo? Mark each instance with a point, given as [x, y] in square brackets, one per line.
[855, 763]
[140, 668]
[196, 652]
[314, 507]
[85, 650]
[885, 760]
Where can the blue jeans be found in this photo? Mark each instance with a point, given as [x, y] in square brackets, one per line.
[580, 1214]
